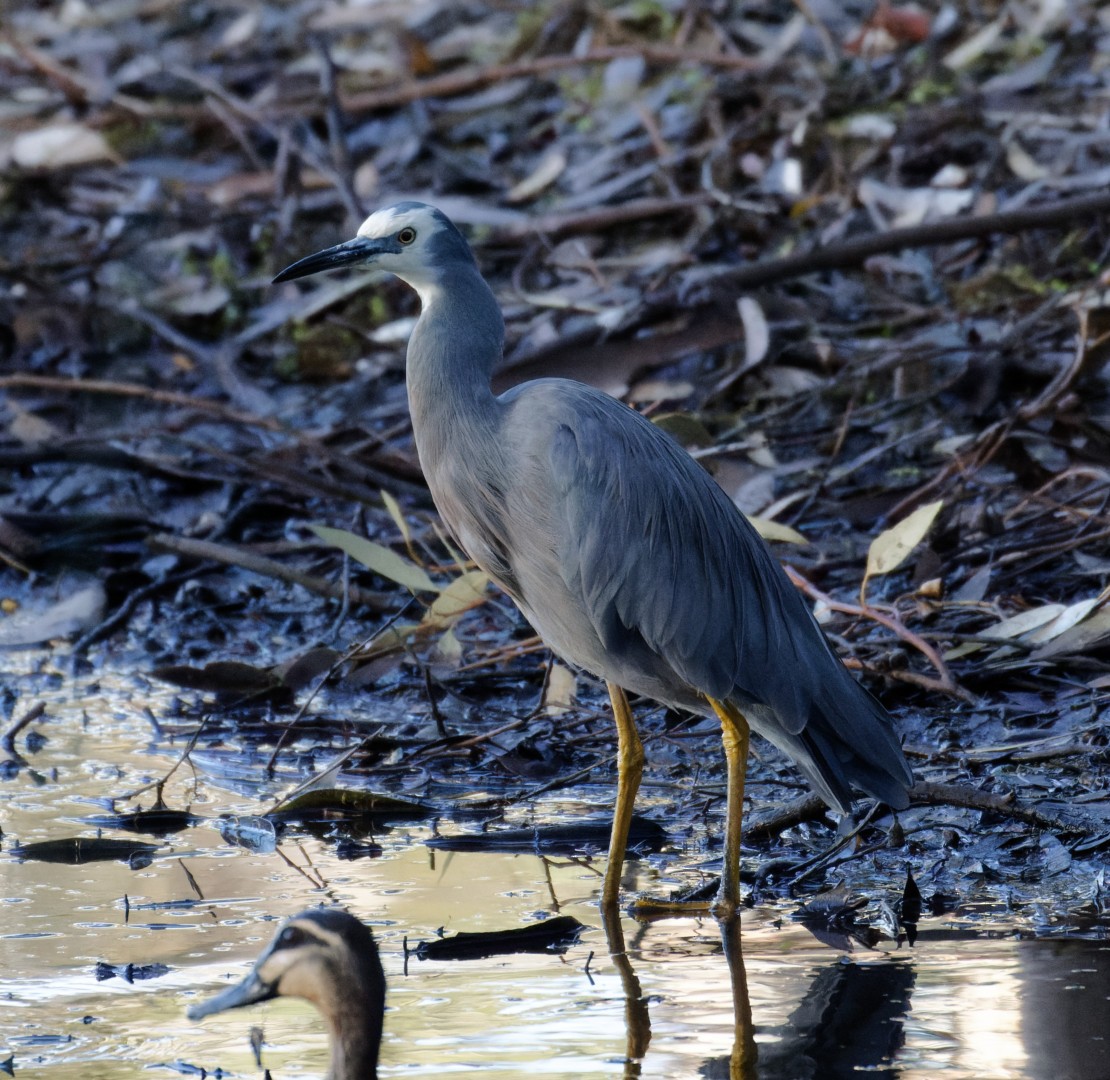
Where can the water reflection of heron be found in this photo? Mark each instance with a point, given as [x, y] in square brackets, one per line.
[849, 1021]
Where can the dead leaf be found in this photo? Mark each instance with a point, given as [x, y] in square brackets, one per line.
[465, 592]
[1092, 631]
[60, 146]
[560, 691]
[1007, 630]
[545, 174]
[757, 335]
[892, 546]
[80, 611]
[220, 677]
[377, 557]
[394, 509]
[912, 206]
[775, 530]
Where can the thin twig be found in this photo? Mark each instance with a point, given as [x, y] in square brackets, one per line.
[271, 568]
[464, 82]
[946, 683]
[849, 253]
[147, 393]
[7, 740]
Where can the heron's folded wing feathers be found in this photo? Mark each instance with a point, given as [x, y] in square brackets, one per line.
[656, 548]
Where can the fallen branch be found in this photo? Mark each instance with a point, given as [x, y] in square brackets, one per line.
[924, 793]
[135, 390]
[7, 739]
[455, 83]
[271, 568]
[849, 253]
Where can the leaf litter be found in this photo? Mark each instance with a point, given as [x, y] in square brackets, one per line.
[882, 296]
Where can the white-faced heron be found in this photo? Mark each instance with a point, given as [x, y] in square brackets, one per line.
[329, 958]
[622, 552]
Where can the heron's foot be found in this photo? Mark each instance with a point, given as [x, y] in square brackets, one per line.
[726, 906]
[650, 908]
[702, 900]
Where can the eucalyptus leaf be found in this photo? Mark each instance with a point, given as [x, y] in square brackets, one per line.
[377, 557]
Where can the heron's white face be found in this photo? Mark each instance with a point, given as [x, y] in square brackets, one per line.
[405, 233]
[412, 240]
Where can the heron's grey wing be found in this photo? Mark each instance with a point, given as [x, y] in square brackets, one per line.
[657, 550]
[661, 557]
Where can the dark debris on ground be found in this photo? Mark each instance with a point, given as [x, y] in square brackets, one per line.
[171, 425]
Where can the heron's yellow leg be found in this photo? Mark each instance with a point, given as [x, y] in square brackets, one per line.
[630, 767]
[735, 734]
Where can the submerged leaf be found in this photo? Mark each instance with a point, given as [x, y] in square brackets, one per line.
[345, 801]
[78, 850]
[220, 677]
[552, 935]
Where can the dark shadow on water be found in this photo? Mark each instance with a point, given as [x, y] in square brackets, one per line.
[1065, 1009]
[851, 1019]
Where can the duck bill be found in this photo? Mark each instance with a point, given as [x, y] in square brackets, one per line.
[359, 250]
[251, 990]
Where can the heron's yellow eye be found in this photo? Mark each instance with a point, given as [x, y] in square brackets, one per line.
[406, 236]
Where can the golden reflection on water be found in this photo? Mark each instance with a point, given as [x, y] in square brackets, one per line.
[962, 1010]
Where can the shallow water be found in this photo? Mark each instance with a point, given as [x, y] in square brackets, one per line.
[958, 1005]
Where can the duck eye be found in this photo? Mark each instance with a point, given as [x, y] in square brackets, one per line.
[290, 937]
[406, 236]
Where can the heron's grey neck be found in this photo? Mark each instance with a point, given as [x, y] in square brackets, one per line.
[457, 340]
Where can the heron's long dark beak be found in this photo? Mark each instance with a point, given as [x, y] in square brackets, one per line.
[359, 250]
[247, 992]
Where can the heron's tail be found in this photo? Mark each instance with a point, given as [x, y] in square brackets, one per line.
[847, 742]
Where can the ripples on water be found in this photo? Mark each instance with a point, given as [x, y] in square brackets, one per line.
[957, 1005]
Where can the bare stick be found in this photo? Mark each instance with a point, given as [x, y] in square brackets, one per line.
[260, 564]
[464, 82]
[855, 251]
[122, 389]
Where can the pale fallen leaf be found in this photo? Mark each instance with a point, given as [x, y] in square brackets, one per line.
[775, 530]
[757, 336]
[59, 146]
[1093, 630]
[448, 648]
[376, 557]
[394, 508]
[1023, 165]
[465, 592]
[241, 30]
[892, 546]
[1072, 615]
[873, 126]
[560, 691]
[973, 47]
[549, 169]
[80, 611]
[1024, 622]
[911, 206]
[30, 428]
